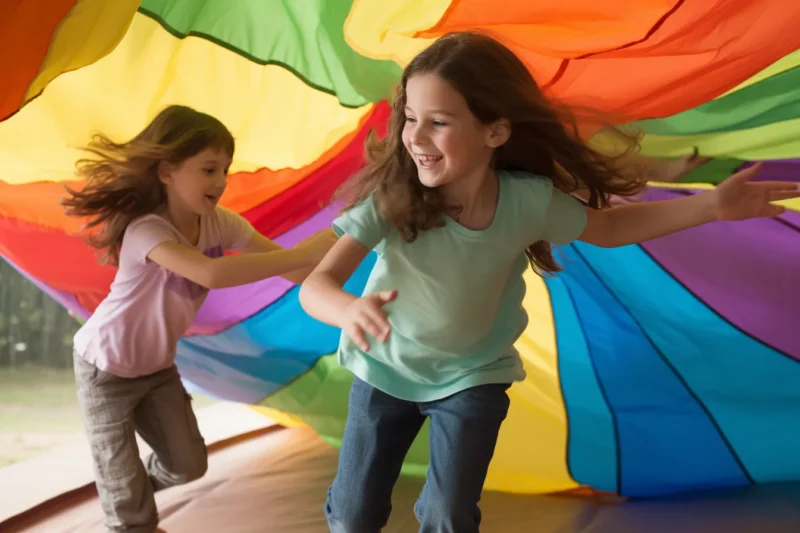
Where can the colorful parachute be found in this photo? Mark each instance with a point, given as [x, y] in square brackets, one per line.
[669, 366]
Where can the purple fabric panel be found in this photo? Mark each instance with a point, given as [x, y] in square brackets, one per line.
[225, 307]
[748, 271]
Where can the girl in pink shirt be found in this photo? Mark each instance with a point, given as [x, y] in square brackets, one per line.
[155, 200]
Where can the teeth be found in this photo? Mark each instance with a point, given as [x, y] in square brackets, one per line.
[427, 160]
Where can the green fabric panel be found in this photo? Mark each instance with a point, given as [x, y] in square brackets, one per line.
[320, 396]
[714, 171]
[778, 140]
[774, 99]
[306, 37]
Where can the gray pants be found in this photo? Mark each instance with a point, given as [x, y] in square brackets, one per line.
[160, 410]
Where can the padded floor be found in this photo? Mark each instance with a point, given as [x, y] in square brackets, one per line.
[276, 482]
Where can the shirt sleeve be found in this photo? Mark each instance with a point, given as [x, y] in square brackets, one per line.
[236, 231]
[546, 213]
[144, 234]
[363, 223]
[564, 219]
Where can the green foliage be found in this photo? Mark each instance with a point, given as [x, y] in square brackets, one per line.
[34, 328]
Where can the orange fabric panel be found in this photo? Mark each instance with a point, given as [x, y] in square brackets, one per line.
[26, 28]
[62, 261]
[38, 203]
[560, 30]
[695, 51]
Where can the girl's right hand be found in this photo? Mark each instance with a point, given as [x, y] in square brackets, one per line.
[366, 315]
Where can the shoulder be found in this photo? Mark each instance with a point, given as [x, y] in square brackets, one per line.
[145, 233]
[363, 222]
[542, 209]
[538, 191]
[150, 223]
[527, 184]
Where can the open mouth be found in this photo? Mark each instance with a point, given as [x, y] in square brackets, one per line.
[212, 198]
[428, 161]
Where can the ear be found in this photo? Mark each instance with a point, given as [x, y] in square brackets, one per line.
[164, 171]
[499, 133]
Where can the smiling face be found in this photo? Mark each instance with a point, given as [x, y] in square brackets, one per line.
[197, 183]
[445, 140]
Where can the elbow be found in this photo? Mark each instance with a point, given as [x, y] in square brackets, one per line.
[297, 277]
[310, 294]
[306, 294]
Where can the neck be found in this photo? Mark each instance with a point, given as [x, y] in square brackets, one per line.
[185, 220]
[472, 192]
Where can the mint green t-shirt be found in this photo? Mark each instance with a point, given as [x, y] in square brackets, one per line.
[458, 310]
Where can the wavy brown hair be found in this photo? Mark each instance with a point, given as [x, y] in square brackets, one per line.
[122, 182]
[545, 140]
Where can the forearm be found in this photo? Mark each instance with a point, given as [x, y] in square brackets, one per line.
[232, 270]
[323, 298]
[298, 276]
[633, 223]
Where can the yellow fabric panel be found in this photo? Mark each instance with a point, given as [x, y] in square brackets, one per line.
[279, 417]
[278, 121]
[532, 448]
[779, 140]
[81, 39]
[793, 204]
[385, 30]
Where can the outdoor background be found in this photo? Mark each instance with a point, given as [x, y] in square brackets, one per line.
[38, 403]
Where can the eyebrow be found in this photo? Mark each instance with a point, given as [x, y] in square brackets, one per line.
[435, 112]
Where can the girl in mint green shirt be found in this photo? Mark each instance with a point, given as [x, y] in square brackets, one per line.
[476, 179]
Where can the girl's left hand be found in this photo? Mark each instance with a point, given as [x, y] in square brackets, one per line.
[738, 198]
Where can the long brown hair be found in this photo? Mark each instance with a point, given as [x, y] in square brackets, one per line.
[545, 140]
[122, 183]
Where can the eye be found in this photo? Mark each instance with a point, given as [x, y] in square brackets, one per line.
[410, 119]
[438, 123]
[209, 170]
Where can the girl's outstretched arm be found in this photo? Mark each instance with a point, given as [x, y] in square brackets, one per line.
[736, 198]
[323, 297]
[232, 270]
[261, 244]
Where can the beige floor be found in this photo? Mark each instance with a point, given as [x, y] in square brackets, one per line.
[275, 482]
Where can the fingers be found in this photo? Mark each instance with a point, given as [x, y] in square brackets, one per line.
[368, 318]
[375, 327]
[771, 211]
[696, 160]
[746, 174]
[778, 185]
[387, 296]
[356, 334]
[375, 323]
[783, 195]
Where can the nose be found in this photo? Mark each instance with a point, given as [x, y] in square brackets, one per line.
[220, 179]
[418, 136]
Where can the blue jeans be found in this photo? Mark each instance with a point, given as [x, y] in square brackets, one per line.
[378, 433]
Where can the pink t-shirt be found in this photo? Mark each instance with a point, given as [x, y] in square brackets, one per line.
[135, 330]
